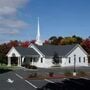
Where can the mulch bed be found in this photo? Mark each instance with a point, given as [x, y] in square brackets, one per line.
[59, 76]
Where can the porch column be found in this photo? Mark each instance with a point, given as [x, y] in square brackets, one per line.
[9, 61]
[19, 61]
[22, 60]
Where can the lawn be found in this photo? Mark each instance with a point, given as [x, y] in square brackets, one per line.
[4, 68]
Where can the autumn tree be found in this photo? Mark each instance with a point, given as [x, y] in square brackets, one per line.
[46, 42]
[86, 45]
[68, 40]
[79, 39]
[25, 44]
[53, 40]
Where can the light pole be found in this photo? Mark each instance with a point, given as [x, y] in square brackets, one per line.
[74, 73]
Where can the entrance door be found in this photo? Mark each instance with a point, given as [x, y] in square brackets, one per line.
[14, 61]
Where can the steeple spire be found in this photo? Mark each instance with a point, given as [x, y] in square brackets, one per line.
[38, 41]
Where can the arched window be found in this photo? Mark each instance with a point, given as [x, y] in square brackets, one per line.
[13, 55]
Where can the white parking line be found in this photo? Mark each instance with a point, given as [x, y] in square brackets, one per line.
[31, 84]
[26, 81]
[19, 76]
[83, 77]
[49, 81]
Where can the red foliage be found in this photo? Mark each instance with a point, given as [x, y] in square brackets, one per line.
[33, 41]
[25, 44]
[46, 42]
[13, 44]
[86, 45]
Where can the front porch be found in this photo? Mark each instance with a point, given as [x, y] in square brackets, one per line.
[22, 60]
[18, 60]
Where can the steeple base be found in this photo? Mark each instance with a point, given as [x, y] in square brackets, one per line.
[38, 43]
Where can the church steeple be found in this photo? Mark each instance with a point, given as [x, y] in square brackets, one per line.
[38, 41]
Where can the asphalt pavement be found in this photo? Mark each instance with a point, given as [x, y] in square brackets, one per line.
[20, 83]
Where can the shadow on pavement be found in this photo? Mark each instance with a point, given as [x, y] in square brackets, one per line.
[2, 70]
[68, 84]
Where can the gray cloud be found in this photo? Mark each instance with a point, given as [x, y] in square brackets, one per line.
[13, 23]
[9, 31]
[8, 9]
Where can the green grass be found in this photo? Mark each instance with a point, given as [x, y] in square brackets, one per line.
[4, 66]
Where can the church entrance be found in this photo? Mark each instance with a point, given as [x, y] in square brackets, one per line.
[14, 61]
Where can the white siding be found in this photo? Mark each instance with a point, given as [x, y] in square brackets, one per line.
[13, 50]
[64, 63]
[47, 62]
[79, 53]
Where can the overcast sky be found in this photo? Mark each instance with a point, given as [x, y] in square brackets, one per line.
[18, 18]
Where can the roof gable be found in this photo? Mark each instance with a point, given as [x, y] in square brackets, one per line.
[75, 48]
[13, 51]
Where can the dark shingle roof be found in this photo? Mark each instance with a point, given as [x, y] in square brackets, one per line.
[47, 50]
[50, 50]
[26, 51]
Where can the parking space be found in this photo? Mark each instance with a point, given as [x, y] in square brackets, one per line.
[38, 83]
[18, 84]
[22, 72]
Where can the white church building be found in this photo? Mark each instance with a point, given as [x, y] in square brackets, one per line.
[42, 55]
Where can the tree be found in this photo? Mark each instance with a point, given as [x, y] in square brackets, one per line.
[79, 39]
[53, 40]
[25, 44]
[46, 42]
[56, 58]
[3, 51]
[86, 45]
[14, 43]
[68, 40]
[33, 41]
[59, 40]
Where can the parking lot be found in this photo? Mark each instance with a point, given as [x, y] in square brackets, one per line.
[19, 81]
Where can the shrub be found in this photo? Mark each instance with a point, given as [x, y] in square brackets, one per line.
[29, 66]
[67, 73]
[51, 74]
[82, 73]
[32, 67]
[26, 65]
[32, 75]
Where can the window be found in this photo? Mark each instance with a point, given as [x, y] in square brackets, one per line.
[13, 54]
[30, 59]
[79, 59]
[69, 59]
[41, 60]
[83, 59]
